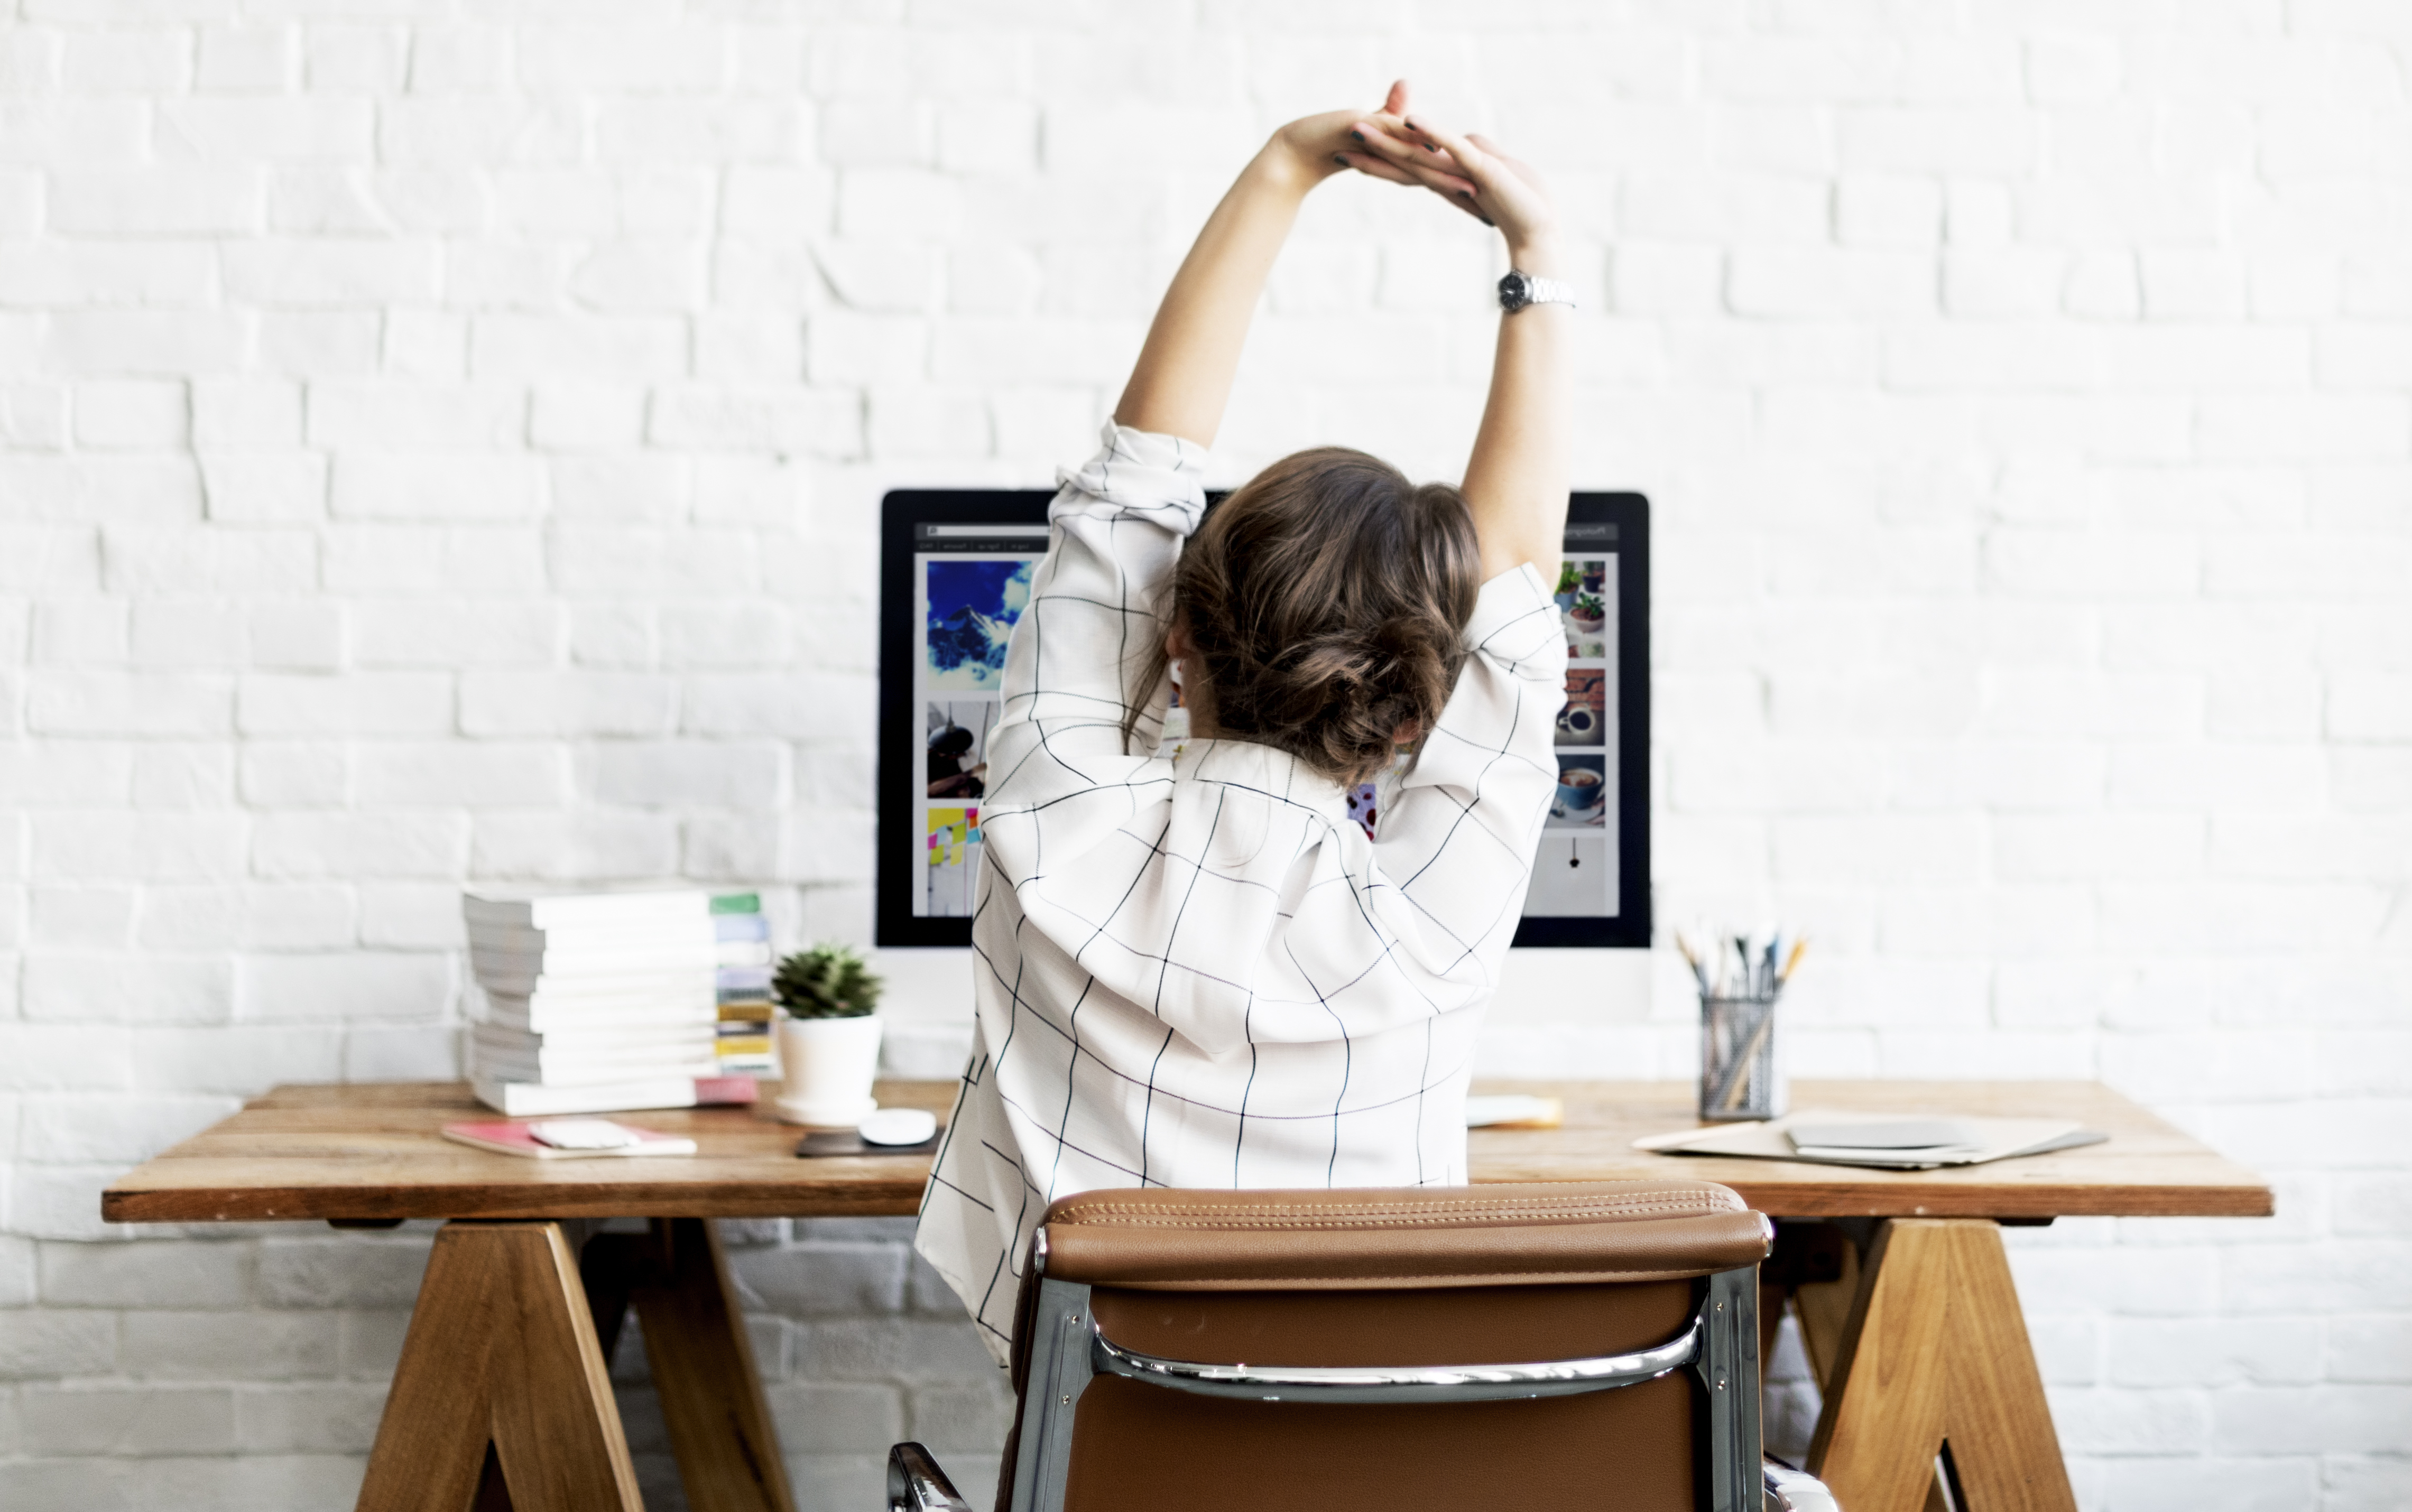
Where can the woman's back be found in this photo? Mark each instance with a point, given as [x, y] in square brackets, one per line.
[1193, 968]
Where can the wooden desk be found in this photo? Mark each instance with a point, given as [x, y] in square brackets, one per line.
[2148, 1170]
[1911, 1319]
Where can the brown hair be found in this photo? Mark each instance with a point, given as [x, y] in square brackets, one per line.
[1325, 599]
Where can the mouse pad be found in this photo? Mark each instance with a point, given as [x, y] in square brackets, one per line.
[847, 1142]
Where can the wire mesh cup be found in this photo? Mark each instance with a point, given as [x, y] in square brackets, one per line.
[1740, 1078]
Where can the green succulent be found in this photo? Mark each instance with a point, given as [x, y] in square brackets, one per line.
[828, 981]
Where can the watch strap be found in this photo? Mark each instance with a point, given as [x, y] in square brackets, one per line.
[1537, 291]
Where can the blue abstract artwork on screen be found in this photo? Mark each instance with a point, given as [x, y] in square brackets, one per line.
[972, 606]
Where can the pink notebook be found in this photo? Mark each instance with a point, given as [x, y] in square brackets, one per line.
[514, 1139]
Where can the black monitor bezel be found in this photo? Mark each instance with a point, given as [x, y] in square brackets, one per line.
[1629, 929]
[895, 925]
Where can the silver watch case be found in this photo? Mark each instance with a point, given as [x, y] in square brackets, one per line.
[1519, 288]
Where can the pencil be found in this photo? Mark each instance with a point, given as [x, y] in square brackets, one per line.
[1700, 973]
[1791, 960]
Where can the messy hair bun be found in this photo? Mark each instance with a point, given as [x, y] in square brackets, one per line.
[1326, 599]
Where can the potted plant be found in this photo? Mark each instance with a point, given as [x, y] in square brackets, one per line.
[828, 1038]
[1569, 579]
[1589, 614]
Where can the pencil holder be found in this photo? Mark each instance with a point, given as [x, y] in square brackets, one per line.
[1738, 1079]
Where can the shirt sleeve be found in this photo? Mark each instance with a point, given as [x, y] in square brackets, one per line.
[1459, 833]
[1087, 639]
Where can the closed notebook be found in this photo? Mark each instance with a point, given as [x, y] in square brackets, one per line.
[546, 1011]
[525, 1099]
[572, 1068]
[520, 1139]
[1879, 1142]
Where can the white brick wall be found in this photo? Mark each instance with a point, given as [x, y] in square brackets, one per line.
[441, 441]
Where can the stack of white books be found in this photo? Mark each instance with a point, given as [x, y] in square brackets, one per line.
[599, 1002]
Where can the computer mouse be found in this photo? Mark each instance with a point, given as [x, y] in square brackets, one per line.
[898, 1126]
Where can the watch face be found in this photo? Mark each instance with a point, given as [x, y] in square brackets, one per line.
[1514, 291]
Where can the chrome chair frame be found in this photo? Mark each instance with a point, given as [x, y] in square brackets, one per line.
[1069, 1350]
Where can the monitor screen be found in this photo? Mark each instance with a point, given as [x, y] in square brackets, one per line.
[955, 574]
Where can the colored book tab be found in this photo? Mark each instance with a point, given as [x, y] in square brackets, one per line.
[736, 903]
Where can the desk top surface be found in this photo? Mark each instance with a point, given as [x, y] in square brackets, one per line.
[374, 1151]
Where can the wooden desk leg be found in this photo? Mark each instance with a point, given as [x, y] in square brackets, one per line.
[720, 1427]
[1823, 1308]
[501, 1352]
[1934, 1352]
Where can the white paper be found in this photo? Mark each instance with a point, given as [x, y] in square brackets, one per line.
[584, 1134]
[1998, 1139]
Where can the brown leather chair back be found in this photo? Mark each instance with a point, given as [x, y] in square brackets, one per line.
[1134, 1296]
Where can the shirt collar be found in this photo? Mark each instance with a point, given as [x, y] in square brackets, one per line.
[1265, 768]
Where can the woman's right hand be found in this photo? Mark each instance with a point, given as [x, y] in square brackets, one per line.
[1470, 172]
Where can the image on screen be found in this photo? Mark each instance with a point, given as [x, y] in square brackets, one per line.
[970, 586]
[1575, 873]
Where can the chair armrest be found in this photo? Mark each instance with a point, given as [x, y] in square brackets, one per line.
[916, 1484]
[1790, 1491]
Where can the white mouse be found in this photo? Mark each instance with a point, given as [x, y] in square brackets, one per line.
[898, 1126]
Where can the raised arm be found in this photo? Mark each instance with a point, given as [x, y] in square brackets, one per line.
[1182, 379]
[1516, 480]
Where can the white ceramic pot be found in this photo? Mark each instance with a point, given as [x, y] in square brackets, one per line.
[826, 1068]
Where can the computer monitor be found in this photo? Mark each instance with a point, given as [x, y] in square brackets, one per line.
[954, 575]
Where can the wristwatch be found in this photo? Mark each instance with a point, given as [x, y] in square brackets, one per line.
[1519, 289]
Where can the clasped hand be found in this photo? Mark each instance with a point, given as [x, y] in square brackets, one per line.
[1470, 172]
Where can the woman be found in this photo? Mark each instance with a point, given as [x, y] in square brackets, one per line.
[1192, 969]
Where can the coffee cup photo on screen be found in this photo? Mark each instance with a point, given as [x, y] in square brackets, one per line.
[1583, 722]
[1582, 792]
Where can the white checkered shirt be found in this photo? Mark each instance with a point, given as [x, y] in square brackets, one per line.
[1193, 969]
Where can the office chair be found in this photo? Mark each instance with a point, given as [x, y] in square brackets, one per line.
[1324, 1351]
